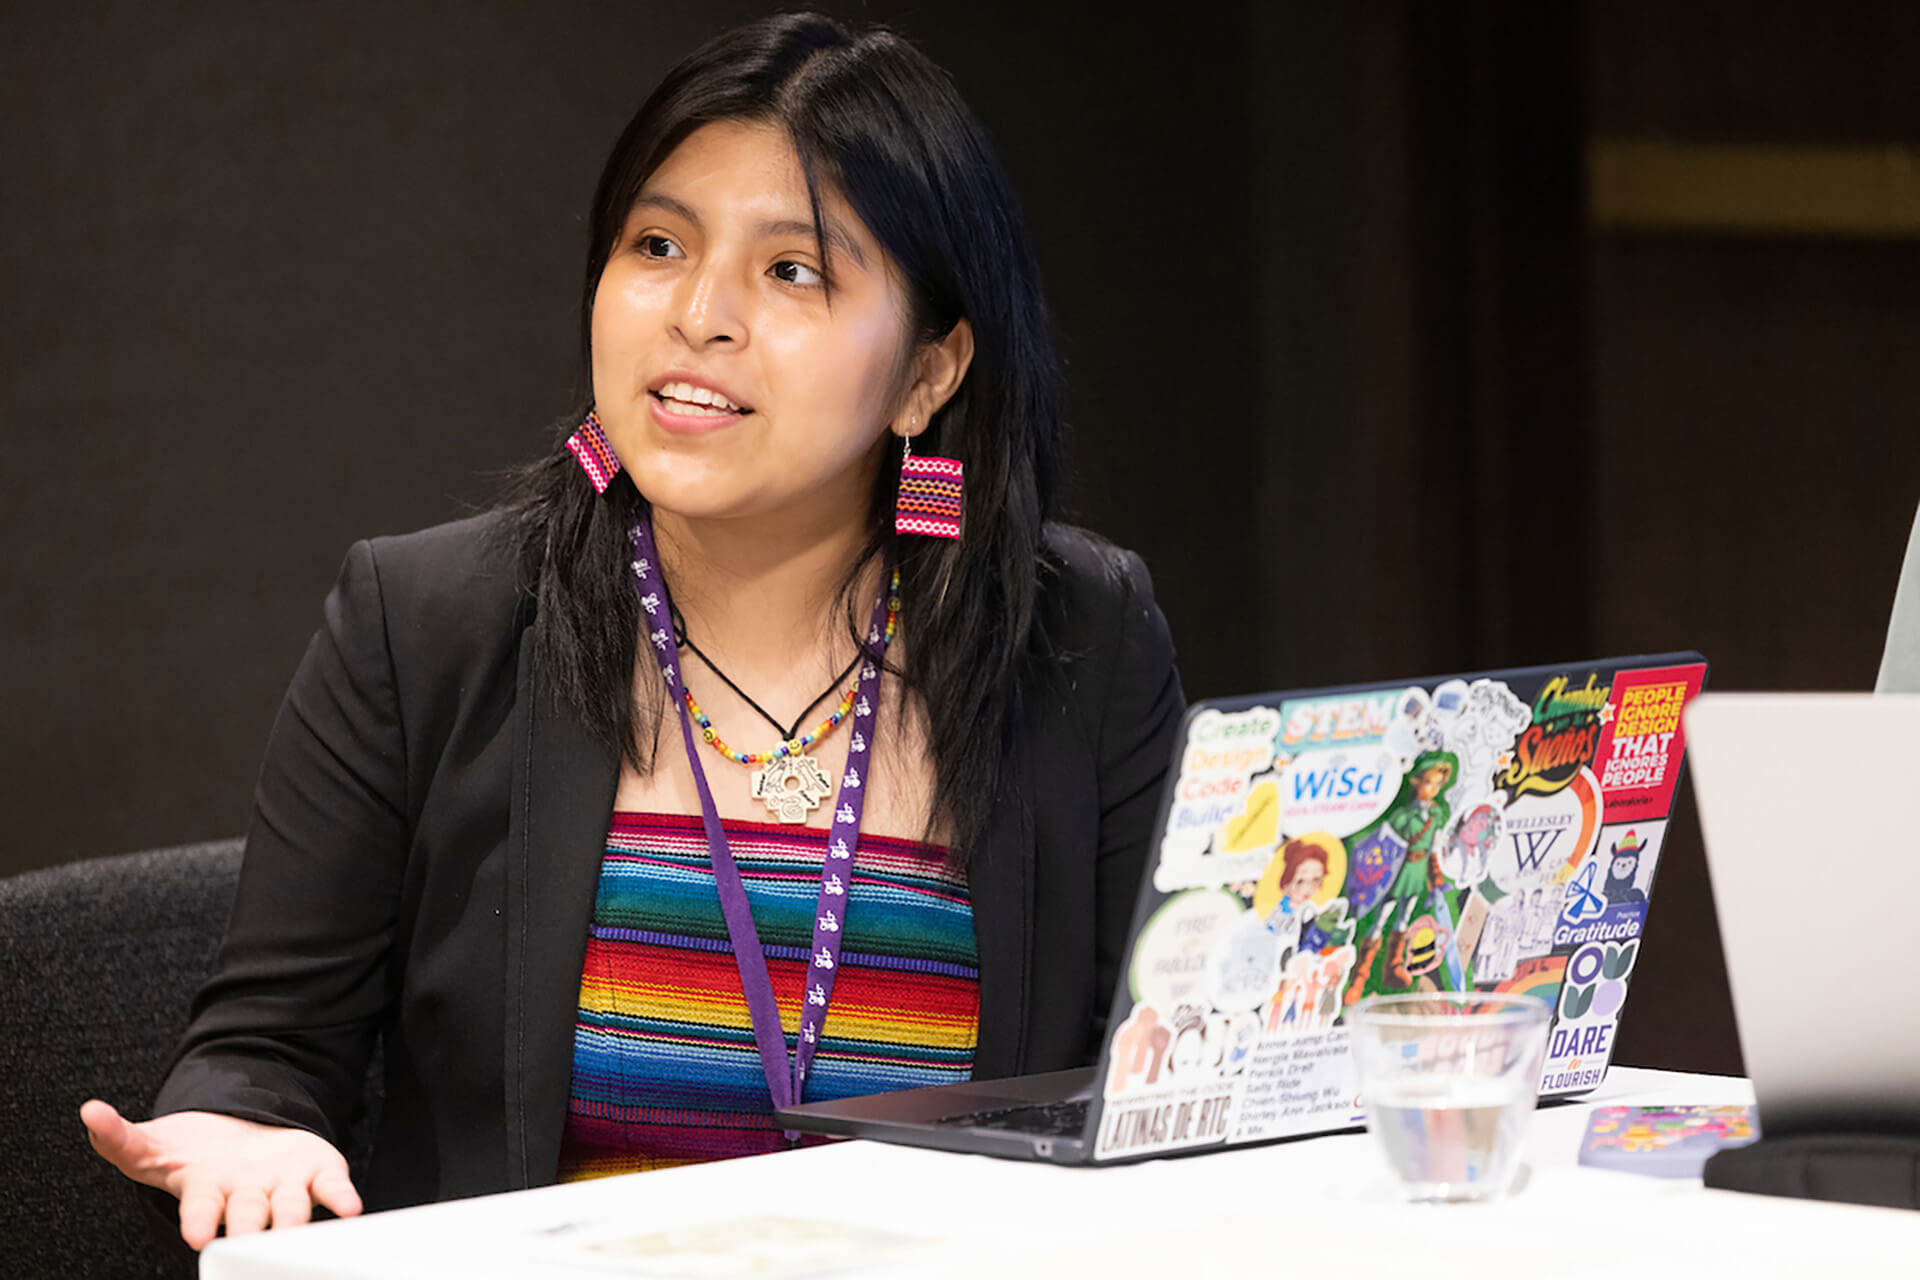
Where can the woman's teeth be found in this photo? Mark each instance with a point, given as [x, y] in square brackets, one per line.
[699, 402]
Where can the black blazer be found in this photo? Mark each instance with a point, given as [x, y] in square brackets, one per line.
[427, 838]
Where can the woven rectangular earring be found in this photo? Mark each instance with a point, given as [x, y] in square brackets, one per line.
[929, 497]
[595, 455]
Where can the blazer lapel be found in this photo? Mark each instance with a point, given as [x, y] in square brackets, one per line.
[1000, 882]
[563, 789]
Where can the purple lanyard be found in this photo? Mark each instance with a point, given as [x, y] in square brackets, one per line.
[836, 873]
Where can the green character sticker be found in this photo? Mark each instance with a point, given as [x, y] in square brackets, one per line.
[1403, 840]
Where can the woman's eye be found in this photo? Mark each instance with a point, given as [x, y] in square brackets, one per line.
[657, 247]
[798, 273]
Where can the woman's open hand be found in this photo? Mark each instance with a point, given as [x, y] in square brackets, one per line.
[223, 1168]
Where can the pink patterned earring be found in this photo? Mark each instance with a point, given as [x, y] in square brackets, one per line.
[595, 455]
[929, 496]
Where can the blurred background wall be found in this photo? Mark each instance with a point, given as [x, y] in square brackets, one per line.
[1401, 337]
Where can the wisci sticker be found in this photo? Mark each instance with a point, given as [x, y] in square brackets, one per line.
[1642, 741]
[1337, 791]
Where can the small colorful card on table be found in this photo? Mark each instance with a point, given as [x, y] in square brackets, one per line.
[1666, 1142]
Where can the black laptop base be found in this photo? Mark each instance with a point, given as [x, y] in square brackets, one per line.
[1880, 1169]
[1021, 1118]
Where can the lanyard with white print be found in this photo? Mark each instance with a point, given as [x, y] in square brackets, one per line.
[836, 873]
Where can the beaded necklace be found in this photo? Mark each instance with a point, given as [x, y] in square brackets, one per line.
[786, 779]
[784, 730]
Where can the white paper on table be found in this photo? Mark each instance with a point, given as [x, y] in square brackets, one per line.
[762, 1246]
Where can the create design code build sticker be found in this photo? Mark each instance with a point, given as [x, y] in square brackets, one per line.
[1223, 824]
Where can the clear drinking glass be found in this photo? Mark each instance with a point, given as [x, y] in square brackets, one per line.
[1449, 1082]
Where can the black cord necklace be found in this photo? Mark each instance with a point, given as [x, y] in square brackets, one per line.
[787, 733]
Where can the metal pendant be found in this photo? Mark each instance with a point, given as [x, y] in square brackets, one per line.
[791, 787]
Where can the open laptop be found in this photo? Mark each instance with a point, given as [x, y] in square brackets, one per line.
[1816, 869]
[1496, 831]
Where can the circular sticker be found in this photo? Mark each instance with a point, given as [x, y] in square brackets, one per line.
[1587, 964]
[1170, 957]
[1312, 867]
[1425, 942]
[1545, 837]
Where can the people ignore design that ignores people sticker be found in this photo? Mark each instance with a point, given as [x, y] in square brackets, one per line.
[1643, 740]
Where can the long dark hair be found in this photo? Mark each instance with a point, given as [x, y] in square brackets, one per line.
[874, 119]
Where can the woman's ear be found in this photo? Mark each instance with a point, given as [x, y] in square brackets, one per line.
[939, 368]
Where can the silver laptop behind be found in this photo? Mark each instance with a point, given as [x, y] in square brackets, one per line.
[1810, 806]
[1900, 665]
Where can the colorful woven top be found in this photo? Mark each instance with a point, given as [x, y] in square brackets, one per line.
[664, 1066]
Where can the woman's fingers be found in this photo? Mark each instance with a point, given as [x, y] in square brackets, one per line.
[247, 1210]
[105, 1126]
[289, 1205]
[225, 1169]
[202, 1204]
[119, 1142]
[334, 1189]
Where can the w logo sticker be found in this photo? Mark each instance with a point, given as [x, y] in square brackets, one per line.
[1530, 848]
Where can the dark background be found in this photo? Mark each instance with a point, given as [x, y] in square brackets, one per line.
[1352, 362]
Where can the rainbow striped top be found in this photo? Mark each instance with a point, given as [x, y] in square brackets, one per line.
[665, 1071]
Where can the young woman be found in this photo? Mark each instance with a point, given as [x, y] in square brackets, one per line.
[698, 776]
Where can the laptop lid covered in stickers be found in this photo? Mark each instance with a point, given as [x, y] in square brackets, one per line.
[1497, 831]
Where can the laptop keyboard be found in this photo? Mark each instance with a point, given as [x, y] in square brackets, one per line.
[1066, 1119]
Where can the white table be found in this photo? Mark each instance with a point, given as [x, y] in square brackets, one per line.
[1320, 1209]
